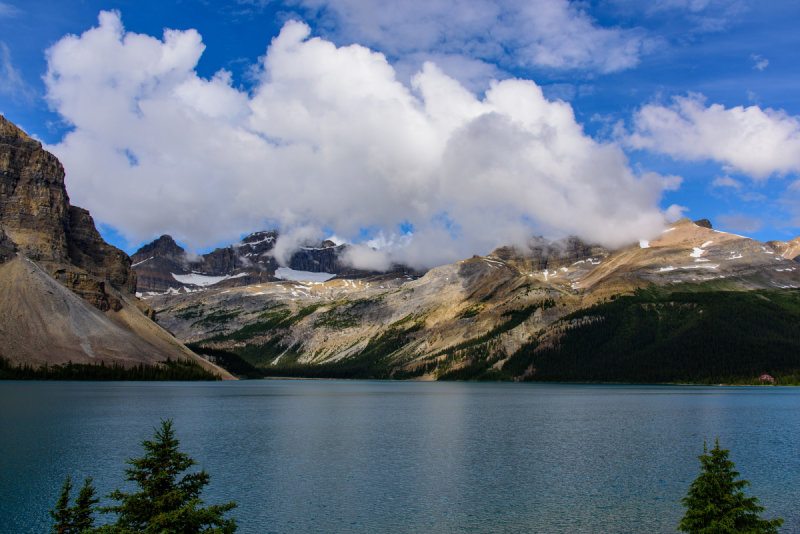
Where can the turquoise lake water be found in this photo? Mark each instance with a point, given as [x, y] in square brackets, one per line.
[368, 456]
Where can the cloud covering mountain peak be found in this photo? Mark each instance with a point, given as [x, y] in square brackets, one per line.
[329, 140]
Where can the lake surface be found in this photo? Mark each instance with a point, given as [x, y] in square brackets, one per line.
[364, 456]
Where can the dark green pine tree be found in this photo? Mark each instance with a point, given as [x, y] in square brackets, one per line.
[61, 513]
[83, 511]
[166, 504]
[716, 503]
[78, 518]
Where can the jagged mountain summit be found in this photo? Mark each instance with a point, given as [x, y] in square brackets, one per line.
[485, 316]
[65, 294]
[164, 266]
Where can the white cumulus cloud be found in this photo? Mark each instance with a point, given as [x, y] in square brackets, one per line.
[329, 139]
[754, 141]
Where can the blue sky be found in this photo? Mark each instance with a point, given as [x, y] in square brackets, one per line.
[429, 130]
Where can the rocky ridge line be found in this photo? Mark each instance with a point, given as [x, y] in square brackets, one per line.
[164, 266]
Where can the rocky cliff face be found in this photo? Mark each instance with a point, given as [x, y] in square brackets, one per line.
[66, 295]
[36, 215]
[320, 259]
[88, 251]
[34, 207]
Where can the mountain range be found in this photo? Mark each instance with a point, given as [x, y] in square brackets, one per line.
[489, 317]
[164, 266]
[694, 305]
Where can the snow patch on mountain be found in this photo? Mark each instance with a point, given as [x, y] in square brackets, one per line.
[285, 273]
[697, 252]
[203, 280]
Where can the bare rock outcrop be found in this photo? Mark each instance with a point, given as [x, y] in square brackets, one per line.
[88, 251]
[787, 249]
[541, 254]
